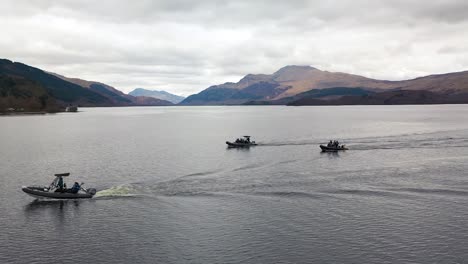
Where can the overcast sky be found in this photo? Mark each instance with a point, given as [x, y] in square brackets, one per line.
[184, 46]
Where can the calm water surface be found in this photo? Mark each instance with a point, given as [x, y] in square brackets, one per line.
[169, 191]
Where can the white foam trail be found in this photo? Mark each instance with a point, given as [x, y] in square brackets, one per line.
[120, 190]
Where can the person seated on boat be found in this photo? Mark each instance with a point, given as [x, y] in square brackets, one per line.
[330, 144]
[75, 188]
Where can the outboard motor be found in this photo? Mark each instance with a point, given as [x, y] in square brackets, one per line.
[91, 191]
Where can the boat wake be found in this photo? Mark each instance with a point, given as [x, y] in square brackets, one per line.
[221, 187]
[411, 143]
[201, 174]
[446, 139]
[290, 143]
[124, 190]
[290, 194]
[303, 176]
[432, 191]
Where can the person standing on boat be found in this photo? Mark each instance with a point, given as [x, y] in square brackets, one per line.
[60, 185]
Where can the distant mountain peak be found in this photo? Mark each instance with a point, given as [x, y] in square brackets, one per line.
[163, 95]
[295, 68]
[250, 79]
[295, 72]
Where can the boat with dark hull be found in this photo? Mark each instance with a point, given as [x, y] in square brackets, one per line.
[44, 193]
[333, 148]
[54, 191]
[241, 143]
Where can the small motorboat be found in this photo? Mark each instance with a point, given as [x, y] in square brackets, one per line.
[333, 149]
[333, 146]
[71, 109]
[244, 142]
[54, 191]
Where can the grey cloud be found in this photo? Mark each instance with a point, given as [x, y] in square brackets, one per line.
[243, 11]
[185, 45]
[454, 49]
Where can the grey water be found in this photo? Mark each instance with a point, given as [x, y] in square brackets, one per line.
[169, 191]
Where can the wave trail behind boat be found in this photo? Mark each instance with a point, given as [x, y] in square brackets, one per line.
[118, 191]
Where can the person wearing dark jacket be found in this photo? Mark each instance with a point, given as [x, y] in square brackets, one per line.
[76, 187]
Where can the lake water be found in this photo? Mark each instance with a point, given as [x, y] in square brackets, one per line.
[169, 191]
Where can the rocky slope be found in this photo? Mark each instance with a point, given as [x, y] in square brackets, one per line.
[117, 97]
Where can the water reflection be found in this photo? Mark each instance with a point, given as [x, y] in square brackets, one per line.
[239, 149]
[330, 154]
[56, 205]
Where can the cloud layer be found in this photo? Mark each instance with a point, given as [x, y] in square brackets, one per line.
[184, 46]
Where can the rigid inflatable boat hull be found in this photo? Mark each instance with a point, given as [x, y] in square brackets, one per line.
[42, 193]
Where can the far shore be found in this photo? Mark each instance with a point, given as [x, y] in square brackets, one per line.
[25, 113]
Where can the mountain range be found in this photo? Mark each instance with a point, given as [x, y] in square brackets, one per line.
[305, 85]
[163, 95]
[32, 89]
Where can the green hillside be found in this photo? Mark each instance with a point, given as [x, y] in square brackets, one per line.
[25, 95]
[64, 92]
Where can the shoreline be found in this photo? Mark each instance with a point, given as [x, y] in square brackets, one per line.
[26, 113]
